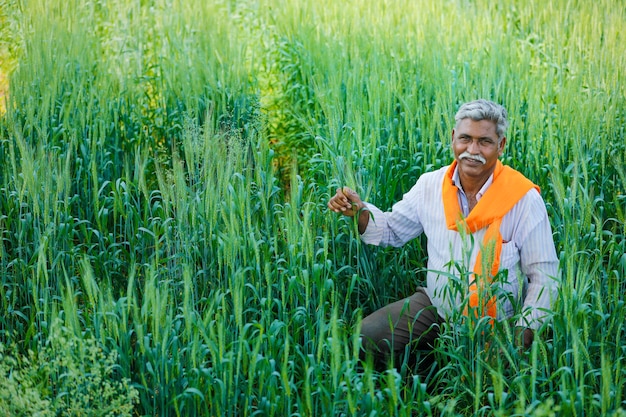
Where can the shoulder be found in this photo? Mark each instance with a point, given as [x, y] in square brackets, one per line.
[533, 202]
[526, 217]
[513, 178]
[530, 209]
[429, 182]
[434, 177]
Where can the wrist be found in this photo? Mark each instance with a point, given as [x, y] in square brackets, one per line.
[363, 218]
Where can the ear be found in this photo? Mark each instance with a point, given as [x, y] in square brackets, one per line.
[502, 145]
[452, 136]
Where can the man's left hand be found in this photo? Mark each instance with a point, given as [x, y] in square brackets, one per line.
[524, 337]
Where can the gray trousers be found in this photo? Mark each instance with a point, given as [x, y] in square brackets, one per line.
[402, 327]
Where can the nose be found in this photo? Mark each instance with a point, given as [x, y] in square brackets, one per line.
[472, 147]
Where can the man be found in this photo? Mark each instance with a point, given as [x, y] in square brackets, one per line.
[486, 225]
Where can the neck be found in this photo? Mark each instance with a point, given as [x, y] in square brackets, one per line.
[472, 182]
[472, 185]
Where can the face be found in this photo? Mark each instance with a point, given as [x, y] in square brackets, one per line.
[476, 148]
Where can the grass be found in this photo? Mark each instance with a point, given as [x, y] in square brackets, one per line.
[167, 166]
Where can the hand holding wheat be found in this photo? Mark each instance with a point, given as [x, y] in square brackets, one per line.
[346, 201]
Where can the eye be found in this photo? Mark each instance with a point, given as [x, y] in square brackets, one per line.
[486, 142]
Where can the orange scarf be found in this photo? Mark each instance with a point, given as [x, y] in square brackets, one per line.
[507, 188]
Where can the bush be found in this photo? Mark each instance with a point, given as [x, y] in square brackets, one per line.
[71, 376]
[19, 393]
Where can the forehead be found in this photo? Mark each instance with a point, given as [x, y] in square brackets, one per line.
[476, 128]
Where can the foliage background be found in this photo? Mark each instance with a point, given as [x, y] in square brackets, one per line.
[166, 166]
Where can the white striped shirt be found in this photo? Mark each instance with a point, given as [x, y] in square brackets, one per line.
[528, 251]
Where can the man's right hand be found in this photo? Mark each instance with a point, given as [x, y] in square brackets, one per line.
[346, 201]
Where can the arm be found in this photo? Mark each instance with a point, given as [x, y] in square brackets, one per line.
[393, 228]
[540, 264]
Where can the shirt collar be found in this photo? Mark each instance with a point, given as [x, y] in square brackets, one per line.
[457, 182]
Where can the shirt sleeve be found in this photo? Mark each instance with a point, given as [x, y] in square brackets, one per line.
[540, 264]
[396, 227]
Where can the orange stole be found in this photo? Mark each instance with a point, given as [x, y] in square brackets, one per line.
[507, 188]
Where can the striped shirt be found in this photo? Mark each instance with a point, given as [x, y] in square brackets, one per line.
[528, 252]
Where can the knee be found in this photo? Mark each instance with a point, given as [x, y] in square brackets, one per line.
[375, 337]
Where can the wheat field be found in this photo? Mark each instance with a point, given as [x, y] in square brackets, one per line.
[166, 249]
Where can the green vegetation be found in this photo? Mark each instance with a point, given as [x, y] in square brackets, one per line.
[165, 245]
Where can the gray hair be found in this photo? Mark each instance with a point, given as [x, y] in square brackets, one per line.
[484, 110]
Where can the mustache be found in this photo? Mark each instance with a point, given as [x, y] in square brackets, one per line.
[476, 157]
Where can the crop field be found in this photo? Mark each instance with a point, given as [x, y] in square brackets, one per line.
[165, 245]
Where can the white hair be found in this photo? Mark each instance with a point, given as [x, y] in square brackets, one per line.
[484, 110]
